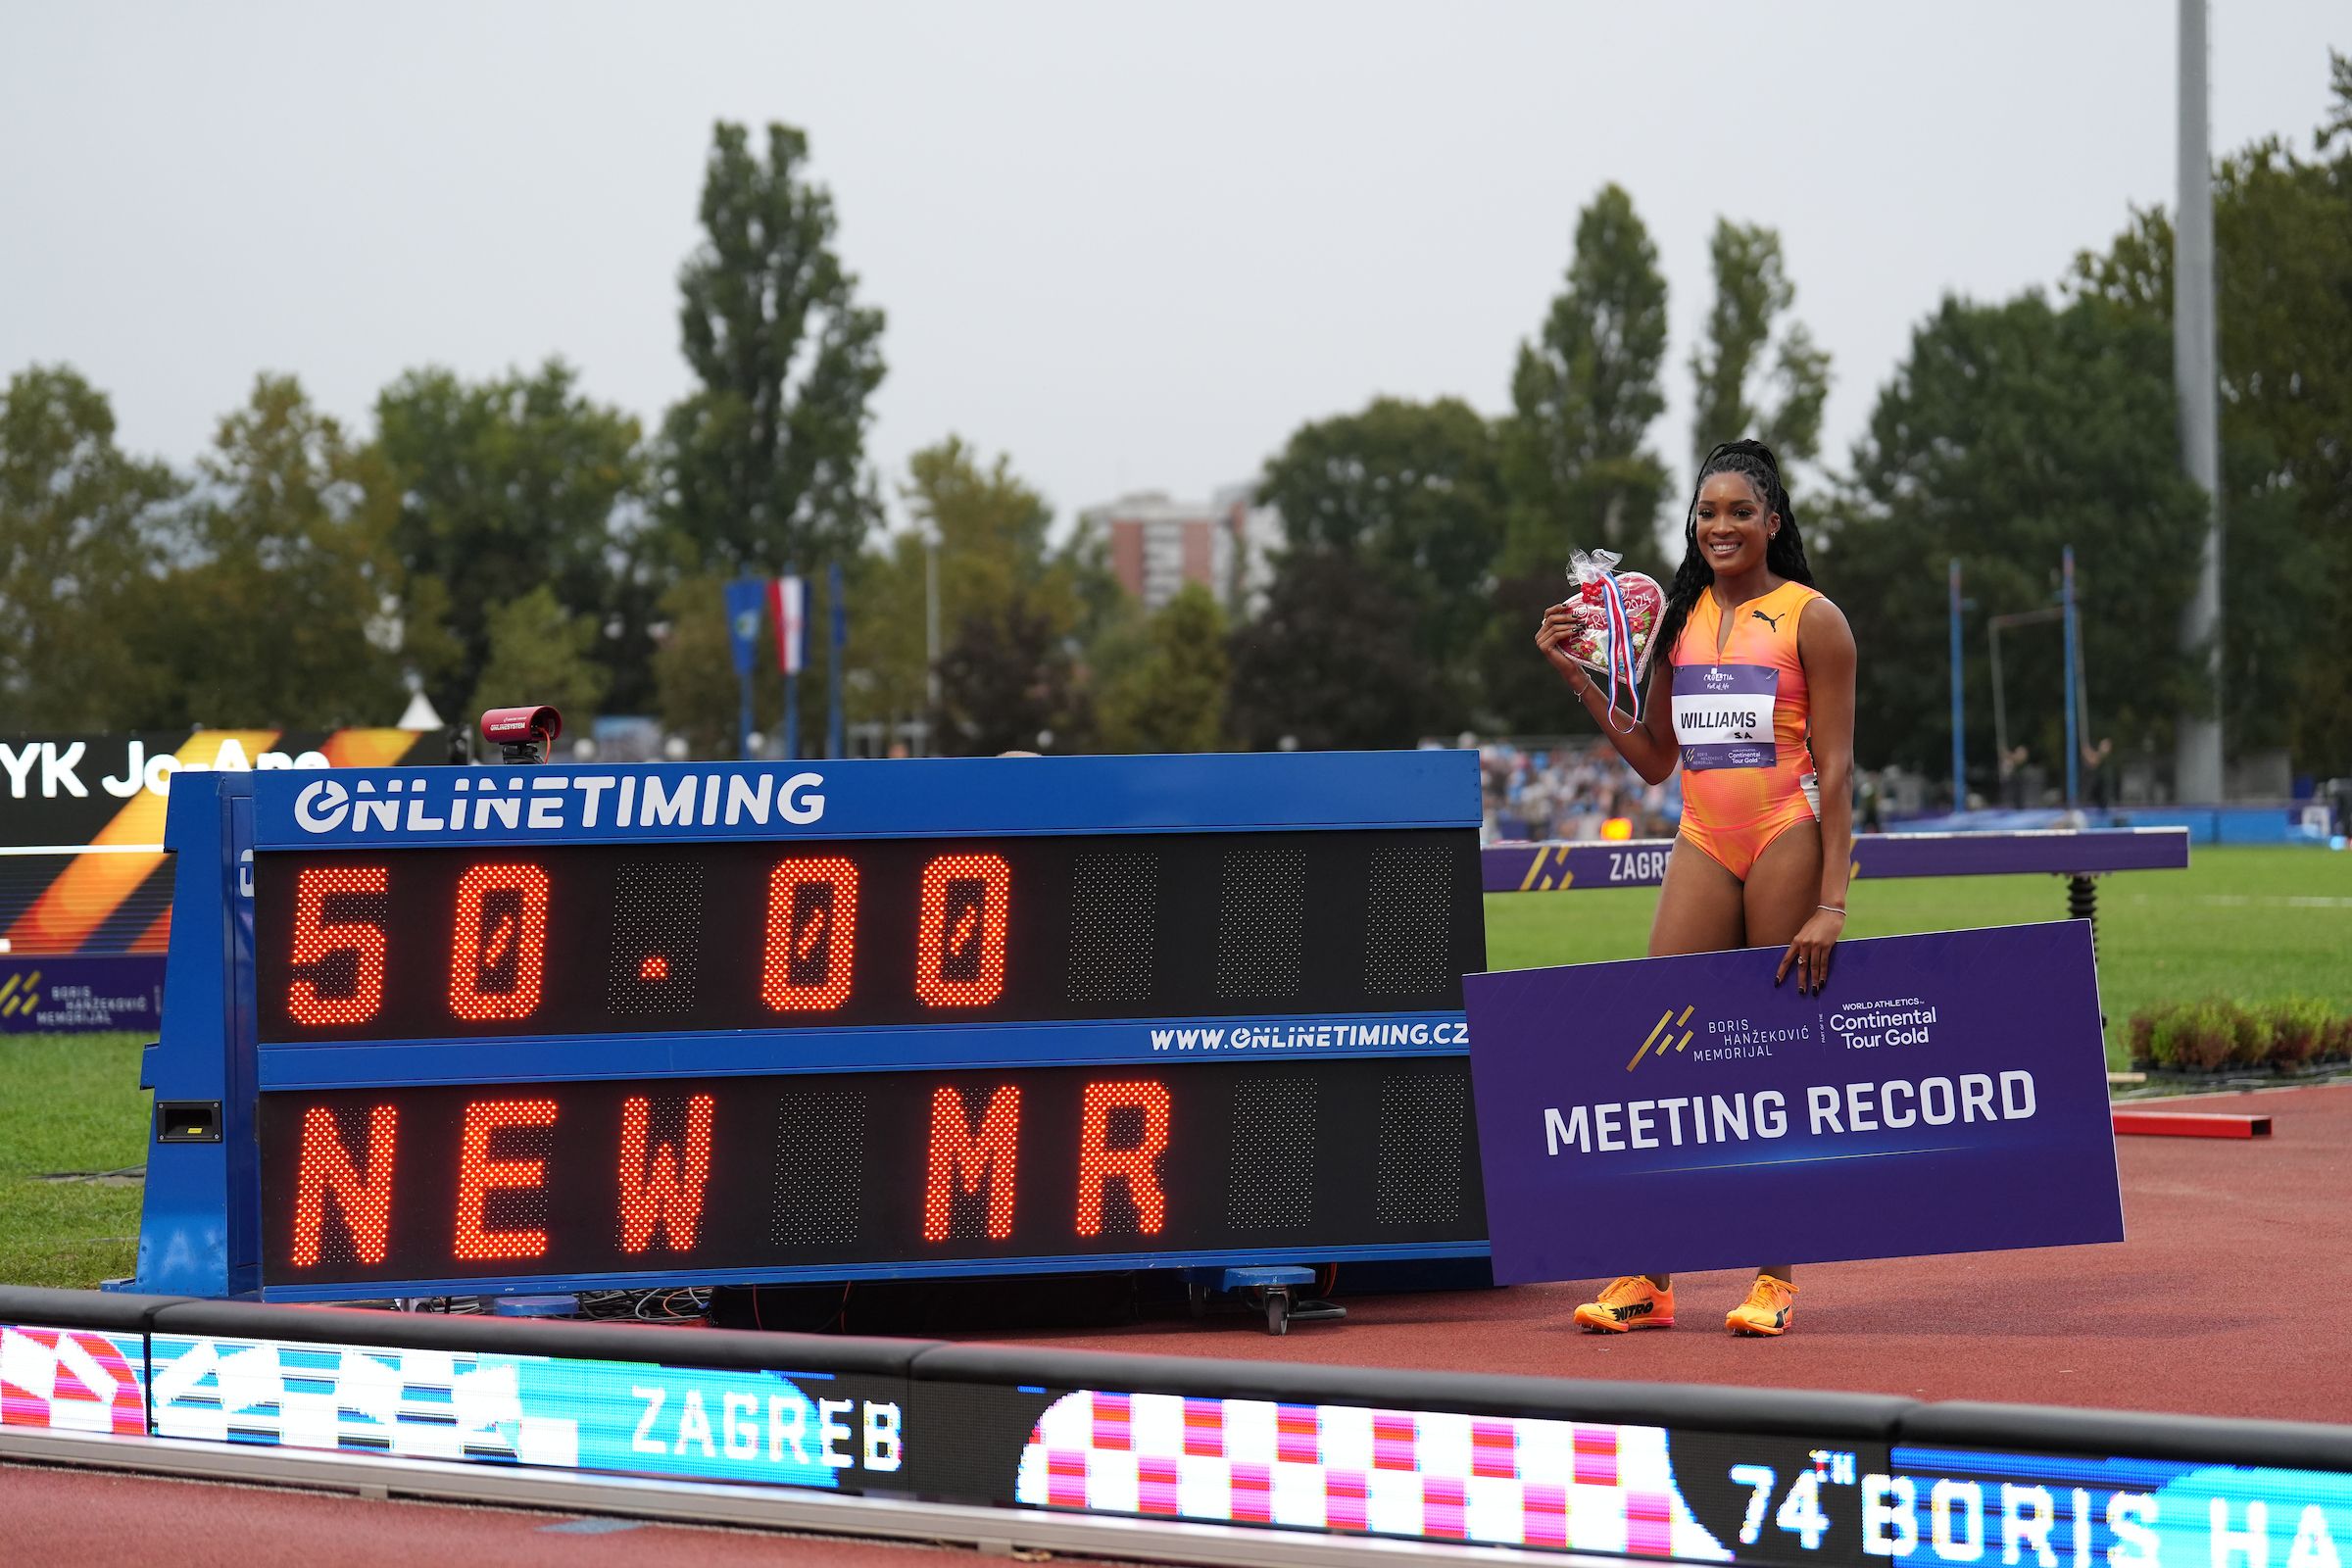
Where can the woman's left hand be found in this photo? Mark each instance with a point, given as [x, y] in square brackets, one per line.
[1810, 952]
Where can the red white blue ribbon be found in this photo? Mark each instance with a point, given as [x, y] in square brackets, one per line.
[1621, 648]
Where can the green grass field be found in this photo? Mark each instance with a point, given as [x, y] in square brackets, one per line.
[2253, 924]
[68, 1104]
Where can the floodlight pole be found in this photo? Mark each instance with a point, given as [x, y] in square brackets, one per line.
[2197, 748]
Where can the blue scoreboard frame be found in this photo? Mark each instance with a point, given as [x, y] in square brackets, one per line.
[440, 1031]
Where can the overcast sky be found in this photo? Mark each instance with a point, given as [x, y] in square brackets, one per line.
[1131, 245]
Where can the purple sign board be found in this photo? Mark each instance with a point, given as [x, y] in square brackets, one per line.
[1558, 865]
[46, 996]
[1947, 1092]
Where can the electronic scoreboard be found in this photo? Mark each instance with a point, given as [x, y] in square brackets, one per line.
[479, 1030]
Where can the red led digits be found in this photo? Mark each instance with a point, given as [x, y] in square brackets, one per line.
[959, 936]
[656, 1195]
[961, 1162]
[478, 1175]
[325, 1171]
[812, 934]
[498, 945]
[316, 938]
[1099, 1161]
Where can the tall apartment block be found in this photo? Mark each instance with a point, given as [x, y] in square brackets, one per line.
[1158, 545]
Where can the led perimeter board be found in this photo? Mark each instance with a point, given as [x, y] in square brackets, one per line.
[478, 1030]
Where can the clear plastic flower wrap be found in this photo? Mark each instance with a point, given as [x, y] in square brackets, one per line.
[1617, 615]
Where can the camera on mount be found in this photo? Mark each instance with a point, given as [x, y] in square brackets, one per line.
[523, 734]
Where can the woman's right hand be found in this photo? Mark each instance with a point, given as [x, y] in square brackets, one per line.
[1560, 623]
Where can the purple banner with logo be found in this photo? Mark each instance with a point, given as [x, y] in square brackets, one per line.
[1722, 714]
[1557, 866]
[81, 996]
[1946, 1093]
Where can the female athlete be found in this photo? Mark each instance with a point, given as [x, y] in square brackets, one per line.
[1755, 699]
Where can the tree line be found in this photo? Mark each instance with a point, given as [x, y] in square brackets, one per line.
[511, 537]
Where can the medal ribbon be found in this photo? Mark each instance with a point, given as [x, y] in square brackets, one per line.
[1621, 649]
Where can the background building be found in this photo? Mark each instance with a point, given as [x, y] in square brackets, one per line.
[1158, 545]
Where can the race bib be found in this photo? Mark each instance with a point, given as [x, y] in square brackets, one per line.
[1722, 714]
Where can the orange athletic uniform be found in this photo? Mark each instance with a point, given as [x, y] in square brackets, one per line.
[1743, 721]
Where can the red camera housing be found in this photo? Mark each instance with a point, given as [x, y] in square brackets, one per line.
[511, 726]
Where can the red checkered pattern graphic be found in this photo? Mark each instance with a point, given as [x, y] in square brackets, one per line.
[1596, 1456]
[1113, 1432]
[69, 1380]
[1430, 1475]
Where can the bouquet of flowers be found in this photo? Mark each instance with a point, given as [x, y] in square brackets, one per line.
[1617, 621]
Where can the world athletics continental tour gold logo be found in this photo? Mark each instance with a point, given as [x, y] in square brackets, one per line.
[20, 995]
[1666, 1022]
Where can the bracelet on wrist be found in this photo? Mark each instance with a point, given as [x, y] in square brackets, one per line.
[1834, 908]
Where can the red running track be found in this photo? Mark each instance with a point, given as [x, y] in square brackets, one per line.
[2232, 1296]
[60, 1517]
[2229, 1298]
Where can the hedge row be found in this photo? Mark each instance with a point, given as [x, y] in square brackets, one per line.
[2214, 1034]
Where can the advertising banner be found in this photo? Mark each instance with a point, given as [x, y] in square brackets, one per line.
[1557, 866]
[840, 1431]
[87, 789]
[82, 823]
[1583, 1486]
[79, 996]
[1653, 1492]
[1846, 1492]
[1946, 1093]
[78, 1379]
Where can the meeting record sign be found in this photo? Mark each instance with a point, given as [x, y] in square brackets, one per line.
[1945, 1093]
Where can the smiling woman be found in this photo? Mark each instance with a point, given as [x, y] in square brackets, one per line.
[1756, 704]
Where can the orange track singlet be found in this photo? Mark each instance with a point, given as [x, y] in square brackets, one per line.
[1742, 718]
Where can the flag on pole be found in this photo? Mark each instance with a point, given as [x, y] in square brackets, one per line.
[744, 598]
[788, 608]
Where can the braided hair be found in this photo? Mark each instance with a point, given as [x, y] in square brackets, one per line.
[1784, 553]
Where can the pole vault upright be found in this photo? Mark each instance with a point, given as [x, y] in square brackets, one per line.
[1959, 749]
[2073, 734]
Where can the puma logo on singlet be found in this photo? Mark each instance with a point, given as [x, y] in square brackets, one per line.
[1774, 621]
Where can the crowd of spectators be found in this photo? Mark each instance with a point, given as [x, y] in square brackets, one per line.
[1579, 789]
